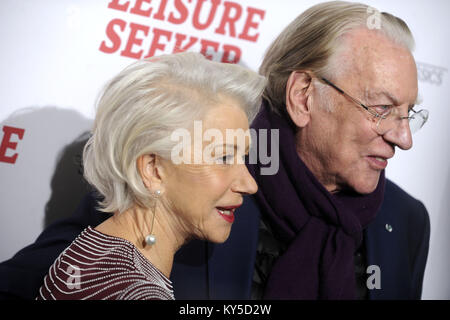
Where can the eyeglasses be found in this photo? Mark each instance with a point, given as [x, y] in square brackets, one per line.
[387, 117]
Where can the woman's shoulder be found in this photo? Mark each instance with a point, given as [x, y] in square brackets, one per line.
[95, 251]
[146, 291]
[98, 266]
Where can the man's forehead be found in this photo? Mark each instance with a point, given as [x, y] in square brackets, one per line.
[362, 47]
[378, 67]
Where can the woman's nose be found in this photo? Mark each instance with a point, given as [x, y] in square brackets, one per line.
[244, 184]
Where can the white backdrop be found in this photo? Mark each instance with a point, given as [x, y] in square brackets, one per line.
[53, 66]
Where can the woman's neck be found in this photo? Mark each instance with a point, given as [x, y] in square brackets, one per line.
[136, 223]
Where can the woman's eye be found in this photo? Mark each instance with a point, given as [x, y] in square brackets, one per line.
[228, 159]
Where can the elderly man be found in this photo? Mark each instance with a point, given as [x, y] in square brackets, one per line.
[327, 224]
[343, 97]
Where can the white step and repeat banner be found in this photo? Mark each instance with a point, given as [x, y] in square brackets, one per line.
[57, 54]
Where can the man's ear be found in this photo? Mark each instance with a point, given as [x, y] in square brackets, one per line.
[298, 90]
[150, 171]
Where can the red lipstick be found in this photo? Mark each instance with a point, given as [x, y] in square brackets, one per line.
[227, 212]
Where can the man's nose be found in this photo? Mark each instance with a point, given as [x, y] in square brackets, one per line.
[244, 183]
[400, 135]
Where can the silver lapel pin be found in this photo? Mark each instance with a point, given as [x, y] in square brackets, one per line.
[388, 227]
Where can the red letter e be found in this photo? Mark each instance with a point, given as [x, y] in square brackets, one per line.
[7, 144]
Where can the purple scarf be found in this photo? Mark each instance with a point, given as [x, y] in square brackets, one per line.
[320, 230]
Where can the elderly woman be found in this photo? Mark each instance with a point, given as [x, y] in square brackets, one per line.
[158, 204]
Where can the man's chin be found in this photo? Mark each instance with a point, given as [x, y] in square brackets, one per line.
[366, 186]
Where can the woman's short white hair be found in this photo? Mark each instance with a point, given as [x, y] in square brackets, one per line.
[140, 108]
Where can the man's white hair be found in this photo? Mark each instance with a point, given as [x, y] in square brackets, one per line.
[311, 40]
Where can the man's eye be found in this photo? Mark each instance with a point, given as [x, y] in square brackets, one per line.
[383, 109]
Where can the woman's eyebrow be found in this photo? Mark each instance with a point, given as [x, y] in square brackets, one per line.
[236, 147]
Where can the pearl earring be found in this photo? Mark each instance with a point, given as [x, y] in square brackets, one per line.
[151, 238]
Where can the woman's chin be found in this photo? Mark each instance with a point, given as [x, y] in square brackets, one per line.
[218, 237]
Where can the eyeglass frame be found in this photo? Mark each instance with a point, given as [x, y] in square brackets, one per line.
[373, 113]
